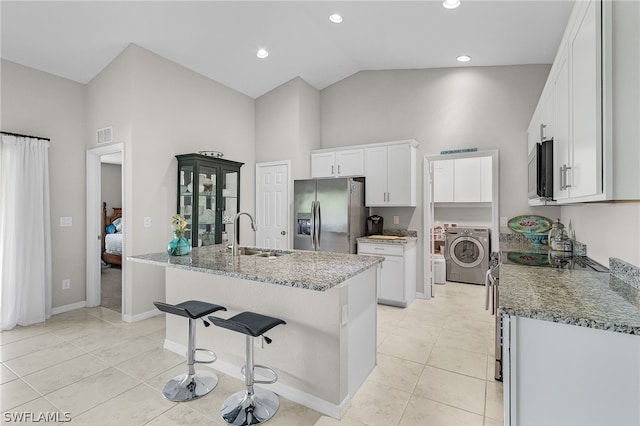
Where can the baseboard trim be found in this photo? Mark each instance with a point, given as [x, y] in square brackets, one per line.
[140, 317]
[66, 308]
[285, 391]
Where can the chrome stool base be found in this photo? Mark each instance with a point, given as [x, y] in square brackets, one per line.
[187, 387]
[241, 409]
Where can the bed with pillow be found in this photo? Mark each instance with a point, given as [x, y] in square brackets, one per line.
[112, 235]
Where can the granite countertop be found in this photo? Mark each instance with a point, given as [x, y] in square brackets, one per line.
[311, 270]
[395, 240]
[577, 297]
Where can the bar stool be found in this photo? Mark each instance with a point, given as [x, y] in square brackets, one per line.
[250, 406]
[191, 385]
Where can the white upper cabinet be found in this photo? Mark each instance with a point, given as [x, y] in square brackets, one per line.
[463, 180]
[560, 84]
[390, 172]
[466, 181]
[323, 164]
[443, 181]
[583, 175]
[350, 162]
[486, 179]
[339, 163]
[591, 106]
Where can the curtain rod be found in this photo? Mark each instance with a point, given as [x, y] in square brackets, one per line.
[24, 136]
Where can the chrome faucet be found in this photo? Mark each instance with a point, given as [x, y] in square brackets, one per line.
[236, 234]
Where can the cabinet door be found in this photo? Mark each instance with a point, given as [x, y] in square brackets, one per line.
[547, 114]
[466, 181]
[323, 164]
[401, 185]
[561, 139]
[392, 279]
[350, 162]
[486, 179]
[443, 181]
[376, 175]
[585, 175]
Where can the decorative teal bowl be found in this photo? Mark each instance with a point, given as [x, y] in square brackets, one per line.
[537, 239]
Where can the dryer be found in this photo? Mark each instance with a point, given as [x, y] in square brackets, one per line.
[467, 254]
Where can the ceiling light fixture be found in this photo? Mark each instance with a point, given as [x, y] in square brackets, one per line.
[450, 4]
[262, 53]
[463, 58]
[336, 18]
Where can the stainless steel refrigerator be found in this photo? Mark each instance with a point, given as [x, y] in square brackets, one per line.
[329, 214]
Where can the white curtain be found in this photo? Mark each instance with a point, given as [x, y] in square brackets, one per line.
[25, 232]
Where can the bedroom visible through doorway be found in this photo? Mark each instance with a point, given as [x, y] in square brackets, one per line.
[96, 229]
[112, 236]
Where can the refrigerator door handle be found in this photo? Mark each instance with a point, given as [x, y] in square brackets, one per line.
[312, 234]
[318, 225]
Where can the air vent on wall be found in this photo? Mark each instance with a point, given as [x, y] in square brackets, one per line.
[105, 135]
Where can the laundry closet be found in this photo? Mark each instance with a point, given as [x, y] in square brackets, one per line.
[462, 214]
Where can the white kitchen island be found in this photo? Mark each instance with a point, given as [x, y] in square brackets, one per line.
[328, 346]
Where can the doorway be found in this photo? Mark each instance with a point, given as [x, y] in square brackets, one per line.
[439, 210]
[273, 192]
[111, 154]
[111, 259]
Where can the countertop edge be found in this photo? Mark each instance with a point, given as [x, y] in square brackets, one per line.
[374, 260]
[580, 322]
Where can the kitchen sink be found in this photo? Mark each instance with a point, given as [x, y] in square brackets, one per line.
[245, 251]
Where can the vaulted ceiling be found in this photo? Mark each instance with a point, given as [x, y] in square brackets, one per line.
[219, 39]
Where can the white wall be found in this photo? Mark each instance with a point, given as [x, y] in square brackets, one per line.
[159, 109]
[111, 186]
[41, 104]
[608, 229]
[443, 109]
[288, 126]
[177, 111]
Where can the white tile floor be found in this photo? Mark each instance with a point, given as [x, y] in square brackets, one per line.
[435, 367]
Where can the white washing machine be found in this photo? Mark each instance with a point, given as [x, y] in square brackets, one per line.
[466, 252]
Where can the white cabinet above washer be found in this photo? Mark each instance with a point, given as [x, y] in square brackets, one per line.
[463, 180]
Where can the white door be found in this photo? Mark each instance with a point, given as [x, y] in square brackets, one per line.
[272, 204]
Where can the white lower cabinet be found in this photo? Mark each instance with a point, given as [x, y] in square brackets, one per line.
[397, 283]
[564, 374]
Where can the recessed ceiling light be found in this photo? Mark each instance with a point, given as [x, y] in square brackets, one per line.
[451, 4]
[463, 58]
[336, 18]
[262, 53]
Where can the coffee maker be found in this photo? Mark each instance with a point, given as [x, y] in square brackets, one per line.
[375, 225]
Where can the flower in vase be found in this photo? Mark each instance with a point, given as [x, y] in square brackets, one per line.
[180, 225]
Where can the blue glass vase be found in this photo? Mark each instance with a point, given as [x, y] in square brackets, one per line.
[179, 246]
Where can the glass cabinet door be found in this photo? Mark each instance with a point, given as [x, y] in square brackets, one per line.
[230, 192]
[185, 196]
[206, 205]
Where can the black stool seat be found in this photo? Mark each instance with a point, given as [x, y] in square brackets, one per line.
[248, 323]
[251, 406]
[191, 308]
[193, 384]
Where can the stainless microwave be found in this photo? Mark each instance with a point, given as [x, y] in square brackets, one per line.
[540, 171]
